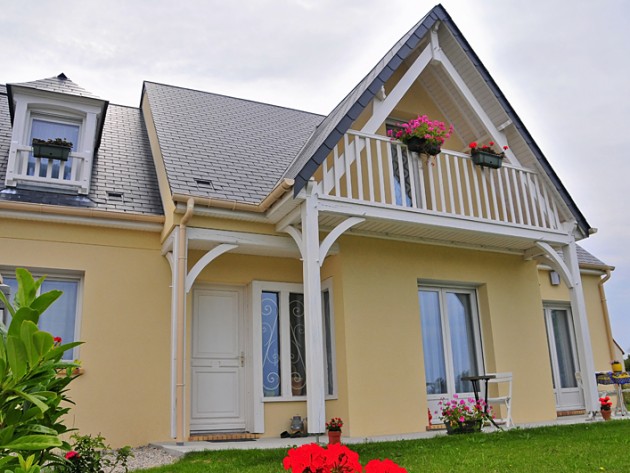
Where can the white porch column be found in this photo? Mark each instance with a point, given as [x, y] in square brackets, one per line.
[315, 390]
[580, 320]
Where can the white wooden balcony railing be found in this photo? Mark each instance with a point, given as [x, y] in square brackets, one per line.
[72, 174]
[373, 169]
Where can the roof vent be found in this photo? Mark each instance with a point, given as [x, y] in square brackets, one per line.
[114, 196]
[204, 183]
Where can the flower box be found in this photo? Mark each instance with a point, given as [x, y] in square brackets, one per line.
[466, 427]
[52, 150]
[487, 159]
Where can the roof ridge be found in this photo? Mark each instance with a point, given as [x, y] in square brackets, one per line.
[235, 98]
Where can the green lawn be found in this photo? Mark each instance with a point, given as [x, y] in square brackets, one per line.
[591, 447]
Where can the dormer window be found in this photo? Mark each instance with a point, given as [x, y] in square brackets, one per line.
[52, 128]
[53, 109]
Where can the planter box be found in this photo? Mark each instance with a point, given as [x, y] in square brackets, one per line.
[466, 427]
[51, 151]
[487, 159]
[420, 145]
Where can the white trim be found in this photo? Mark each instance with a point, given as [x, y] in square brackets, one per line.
[84, 112]
[333, 235]
[204, 261]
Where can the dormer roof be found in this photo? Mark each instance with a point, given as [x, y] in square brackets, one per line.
[61, 84]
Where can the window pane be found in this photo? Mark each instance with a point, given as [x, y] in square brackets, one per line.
[298, 356]
[270, 344]
[432, 344]
[328, 341]
[59, 319]
[12, 283]
[564, 348]
[462, 339]
[46, 130]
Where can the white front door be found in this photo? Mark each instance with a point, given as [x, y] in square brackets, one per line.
[564, 361]
[217, 364]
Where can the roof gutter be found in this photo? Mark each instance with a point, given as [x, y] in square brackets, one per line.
[281, 188]
[602, 296]
[44, 209]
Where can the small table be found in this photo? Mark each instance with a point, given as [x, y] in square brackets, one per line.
[618, 379]
[475, 382]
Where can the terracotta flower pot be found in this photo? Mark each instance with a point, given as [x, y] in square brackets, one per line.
[334, 436]
[606, 414]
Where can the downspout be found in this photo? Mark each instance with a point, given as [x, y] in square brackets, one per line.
[602, 296]
[182, 270]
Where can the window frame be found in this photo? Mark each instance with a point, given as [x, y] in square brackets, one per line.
[55, 275]
[447, 341]
[283, 289]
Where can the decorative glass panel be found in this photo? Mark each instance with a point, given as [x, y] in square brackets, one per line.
[328, 343]
[270, 344]
[463, 348]
[298, 355]
[432, 342]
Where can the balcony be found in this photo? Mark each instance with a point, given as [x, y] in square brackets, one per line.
[72, 175]
[368, 172]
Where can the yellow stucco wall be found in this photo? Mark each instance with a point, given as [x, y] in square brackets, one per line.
[386, 388]
[124, 322]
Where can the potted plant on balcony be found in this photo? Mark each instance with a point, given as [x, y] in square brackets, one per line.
[334, 430]
[605, 406]
[57, 148]
[486, 155]
[463, 416]
[422, 135]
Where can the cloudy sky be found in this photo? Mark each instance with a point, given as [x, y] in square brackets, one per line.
[562, 64]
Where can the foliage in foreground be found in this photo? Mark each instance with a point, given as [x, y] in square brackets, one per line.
[590, 447]
[33, 382]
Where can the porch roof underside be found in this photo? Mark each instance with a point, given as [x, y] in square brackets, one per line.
[339, 121]
[432, 228]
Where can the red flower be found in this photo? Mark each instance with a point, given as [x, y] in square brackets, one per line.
[341, 459]
[506, 148]
[71, 454]
[472, 145]
[383, 466]
[57, 340]
[491, 143]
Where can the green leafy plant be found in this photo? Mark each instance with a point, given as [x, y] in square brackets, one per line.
[92, 455]
[33, 381]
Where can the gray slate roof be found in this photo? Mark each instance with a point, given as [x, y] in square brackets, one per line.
[60, 84]
[223, 147]
[123, 164]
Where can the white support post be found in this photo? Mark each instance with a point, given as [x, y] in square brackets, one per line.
[315, 394]
[569, 271]
[580, 320]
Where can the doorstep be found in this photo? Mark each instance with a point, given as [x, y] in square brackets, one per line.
[223, 437]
